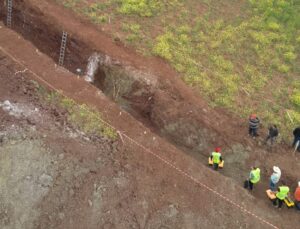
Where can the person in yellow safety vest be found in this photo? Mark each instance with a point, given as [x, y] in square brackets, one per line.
[282, 193]
[216, 157]
[254, 177]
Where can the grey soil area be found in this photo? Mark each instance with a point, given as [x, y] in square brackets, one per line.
[52, 175]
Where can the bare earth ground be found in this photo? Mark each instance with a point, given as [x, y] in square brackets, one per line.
[130, 188]
[176, 108]
[53, 178]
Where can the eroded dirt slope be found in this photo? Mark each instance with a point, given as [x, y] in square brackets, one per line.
[169, 107]
[77, 183]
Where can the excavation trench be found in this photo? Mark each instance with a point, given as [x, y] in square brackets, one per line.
[156, 103]
[139, 93]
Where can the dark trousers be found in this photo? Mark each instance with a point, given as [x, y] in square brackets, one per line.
[250, 185]
[278, 202]
[272, 139]
[297, 204]
[253, 132]
[215, 166]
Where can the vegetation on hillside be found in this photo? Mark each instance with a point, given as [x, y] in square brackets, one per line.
[81, 116]
[240, 54]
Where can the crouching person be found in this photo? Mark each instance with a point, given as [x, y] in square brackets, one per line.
[216, 158]
[281, 194]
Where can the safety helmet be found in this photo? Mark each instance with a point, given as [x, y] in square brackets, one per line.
[218, 149]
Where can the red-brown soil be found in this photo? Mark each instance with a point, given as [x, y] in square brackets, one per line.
[186, 107]
[96, 184]
[175, 111]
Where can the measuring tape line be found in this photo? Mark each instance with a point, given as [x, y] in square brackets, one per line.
[149, 151]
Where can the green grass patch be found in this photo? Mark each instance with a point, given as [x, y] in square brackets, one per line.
[227, 50]
[81, 116]
[70, 3]
[143, 8]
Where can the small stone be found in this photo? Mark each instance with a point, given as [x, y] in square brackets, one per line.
[5, 108]
[94, 171]
[71, 192]
[73, 135]
[115, 145]
[28, 177]
[117, 39]
[61, 215]
[259, 143]
[61, 156]
[90, 203]
[77, 185]
[86, 138]
[7, 103]
[45, 180]
[99, 160]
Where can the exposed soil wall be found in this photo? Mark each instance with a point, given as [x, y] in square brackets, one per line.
[35, 26]
[140, 94]
[159, 101]
[52, 176]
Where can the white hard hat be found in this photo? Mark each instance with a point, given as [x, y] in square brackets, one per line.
[276, 169]
[299, 183]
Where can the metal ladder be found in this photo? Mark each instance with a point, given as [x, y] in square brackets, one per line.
[9, 12]
[63, 48]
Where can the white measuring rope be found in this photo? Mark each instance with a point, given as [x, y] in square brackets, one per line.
[151, 152]
[22, 71]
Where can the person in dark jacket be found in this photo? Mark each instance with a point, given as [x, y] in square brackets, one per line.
[273, 133]
[253, 125]
[296, 134]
